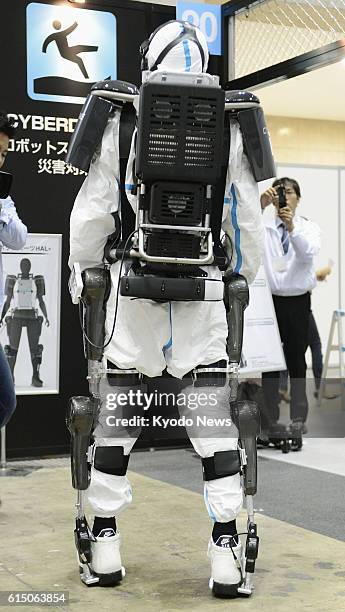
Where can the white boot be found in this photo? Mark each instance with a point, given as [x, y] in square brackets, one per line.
[225, 567]
[106, 558]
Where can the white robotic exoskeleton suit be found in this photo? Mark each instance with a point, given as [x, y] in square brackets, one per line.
[177, 336]
[194, 332]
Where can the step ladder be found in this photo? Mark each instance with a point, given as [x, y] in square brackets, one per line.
[336, 324]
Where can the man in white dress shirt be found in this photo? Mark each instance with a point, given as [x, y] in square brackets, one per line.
[291, 244]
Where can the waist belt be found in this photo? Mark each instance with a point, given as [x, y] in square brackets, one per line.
[24, 313]
[172, 289]
[122, 378]
[211, 375]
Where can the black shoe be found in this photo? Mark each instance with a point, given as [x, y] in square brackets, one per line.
[36, 382]
[277, 430]
[262, 441]
[296, 432]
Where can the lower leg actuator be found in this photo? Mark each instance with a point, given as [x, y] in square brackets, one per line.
[251, 554]
[252, 548]
[83, 537]
[246, 417]
[80, 420]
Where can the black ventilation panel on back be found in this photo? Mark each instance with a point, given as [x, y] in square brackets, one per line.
[180, 133]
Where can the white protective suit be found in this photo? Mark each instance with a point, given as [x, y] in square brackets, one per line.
[152, 336]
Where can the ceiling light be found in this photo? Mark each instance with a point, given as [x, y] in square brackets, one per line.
[284, 131]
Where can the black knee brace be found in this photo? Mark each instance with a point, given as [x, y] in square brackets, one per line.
[9, 351]
[111, 460]
[11, 355]
[36, 358]
[223, 463]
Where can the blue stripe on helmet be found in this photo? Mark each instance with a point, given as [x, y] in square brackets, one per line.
[187, 56]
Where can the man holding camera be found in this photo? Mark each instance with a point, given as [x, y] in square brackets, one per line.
[291, 244]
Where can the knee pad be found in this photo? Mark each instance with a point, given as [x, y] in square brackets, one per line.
[9, 351]
[38, 354]
[111, 460]
[223, 463]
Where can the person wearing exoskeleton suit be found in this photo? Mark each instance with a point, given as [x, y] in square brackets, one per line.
[166, 312]
[23, 291]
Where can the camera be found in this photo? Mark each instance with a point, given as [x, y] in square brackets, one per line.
[5, 184]
[281, 195]
[280, 189]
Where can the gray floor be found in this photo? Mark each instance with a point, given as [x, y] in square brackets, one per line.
[164, 542]
[303, 497]
[299, 495]
[299, 567]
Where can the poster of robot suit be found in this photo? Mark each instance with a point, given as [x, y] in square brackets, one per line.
[166, 234]
[30, 314]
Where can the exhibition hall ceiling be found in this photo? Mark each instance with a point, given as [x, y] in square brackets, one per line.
[317, 95]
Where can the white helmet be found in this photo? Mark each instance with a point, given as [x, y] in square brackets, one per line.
[176, 45]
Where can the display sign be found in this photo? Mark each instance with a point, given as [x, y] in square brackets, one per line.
[68, 50]
[43, 144]
[207, 17]
[30, 333]
[262, 348]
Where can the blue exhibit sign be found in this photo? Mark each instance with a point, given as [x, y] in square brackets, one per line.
[68, 50]
[207, 17]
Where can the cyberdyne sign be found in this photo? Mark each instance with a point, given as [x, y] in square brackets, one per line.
[68, 50]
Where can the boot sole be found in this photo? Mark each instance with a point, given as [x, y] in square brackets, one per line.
[225, 591]
[108, 580]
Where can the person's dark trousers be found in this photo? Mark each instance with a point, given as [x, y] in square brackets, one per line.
[7, 392]
[316, 350]
[283, 380]
[293, 315]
